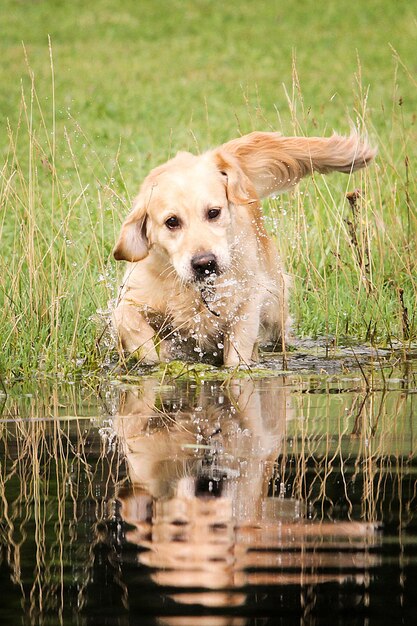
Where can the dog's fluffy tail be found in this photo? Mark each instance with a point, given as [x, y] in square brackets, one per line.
[274, 163]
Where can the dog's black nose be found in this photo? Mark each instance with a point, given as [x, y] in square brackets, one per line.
[204, 264]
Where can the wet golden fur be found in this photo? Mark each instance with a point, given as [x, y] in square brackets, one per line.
[247, 298]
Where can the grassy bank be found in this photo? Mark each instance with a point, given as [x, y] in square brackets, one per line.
[98, 95]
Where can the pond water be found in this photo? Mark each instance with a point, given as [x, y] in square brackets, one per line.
[286, 499]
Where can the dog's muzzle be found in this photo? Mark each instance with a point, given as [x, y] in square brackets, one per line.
[205, 269]
[204, 265]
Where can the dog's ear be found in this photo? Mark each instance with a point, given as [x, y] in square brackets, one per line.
[239, 188]
[274, 163]
[132, 244]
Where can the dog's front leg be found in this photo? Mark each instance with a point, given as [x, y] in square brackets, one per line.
[240, 342]
[135, 335]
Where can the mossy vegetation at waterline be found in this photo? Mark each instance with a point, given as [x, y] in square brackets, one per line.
[111, 93]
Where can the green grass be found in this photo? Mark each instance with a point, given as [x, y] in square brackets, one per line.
[98, 94]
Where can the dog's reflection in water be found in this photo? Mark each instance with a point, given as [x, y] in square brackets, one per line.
[200, 463]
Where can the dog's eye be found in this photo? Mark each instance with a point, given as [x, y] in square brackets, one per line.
[172, 223]
[213, 213]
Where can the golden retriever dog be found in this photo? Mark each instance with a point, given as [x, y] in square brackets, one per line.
[201, 265]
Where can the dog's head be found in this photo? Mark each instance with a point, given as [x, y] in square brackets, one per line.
[184, 211]
[186, 208]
